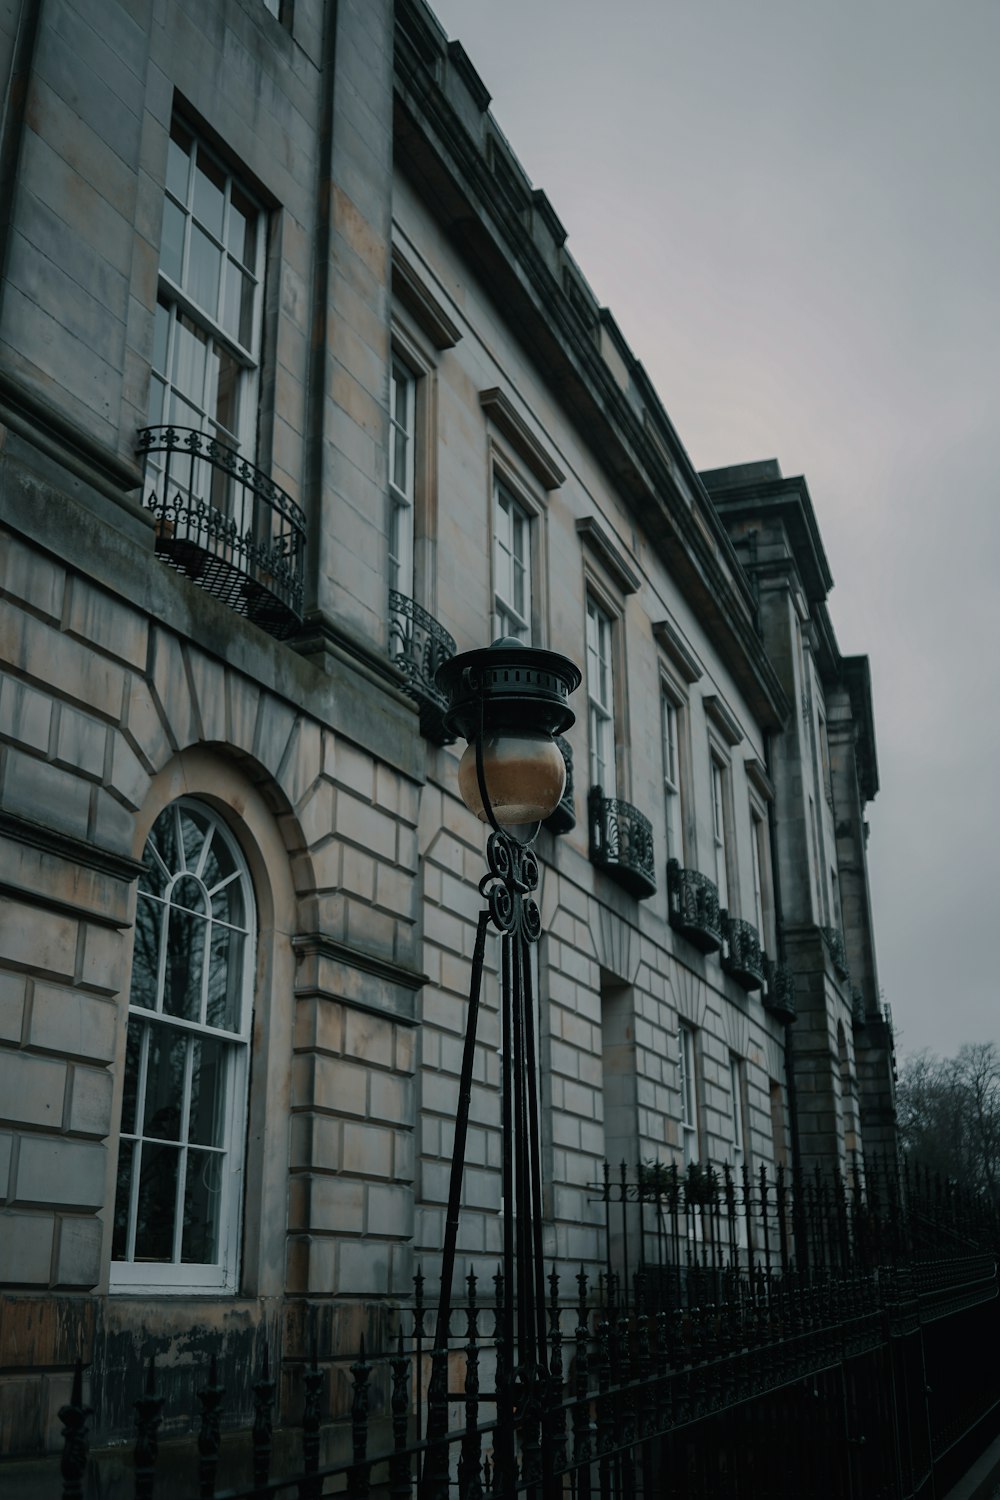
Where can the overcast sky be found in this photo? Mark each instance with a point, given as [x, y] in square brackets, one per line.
[792, 208]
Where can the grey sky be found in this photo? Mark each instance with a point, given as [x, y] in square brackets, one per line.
[792, 207]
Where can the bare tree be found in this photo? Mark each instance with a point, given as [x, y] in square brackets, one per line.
[948, 1111]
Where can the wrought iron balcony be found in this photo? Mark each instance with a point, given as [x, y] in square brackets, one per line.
[564, 817]
[838, 951]
[621, 843]
[418, 645]
[858, 1011]
[221, 521]
[694, 907]
[741, 955]
[779, 996]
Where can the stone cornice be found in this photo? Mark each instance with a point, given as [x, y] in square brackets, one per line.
[675, 647]
[321, 946]
[325, 946]
[598, 539]
[450, 170]
[790, 501]
[857, 675]
[501, 411]
[759, 779]
[35, 419]
[68, 847]
[421, 303]
[722, 717]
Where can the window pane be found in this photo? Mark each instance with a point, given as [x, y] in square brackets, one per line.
[225, 979]
[242, 238]
[195, 833]
[133, 1055]
[146, 952]
[188, 374]
[208, 1092]
[172, 241]
[399, 441]
[178, 161]
[237, 310]
[204, 266]
[119, 1237]
[225, 401]
[162, 840]
[209, 194]
[161, 330]
[157, 1206]
[164, 1084]
[184, 964]
[202, 1200]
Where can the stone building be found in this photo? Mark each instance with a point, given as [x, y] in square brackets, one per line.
[301, 391]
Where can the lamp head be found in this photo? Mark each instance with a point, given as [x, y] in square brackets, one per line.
[515, 696]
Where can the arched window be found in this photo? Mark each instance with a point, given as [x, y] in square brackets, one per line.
[184, 1105]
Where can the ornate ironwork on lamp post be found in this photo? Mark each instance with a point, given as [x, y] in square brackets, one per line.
[509, 701]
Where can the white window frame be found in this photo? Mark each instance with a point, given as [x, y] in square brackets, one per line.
[601, 697]
[512, 563]
[687, 1081]
[720, 825]
[758, 832]
[402, 438]
[736, 1084]
[673, 795]
[222, 1274]
[179, 297]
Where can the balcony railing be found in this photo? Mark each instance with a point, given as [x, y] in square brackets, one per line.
[779, 996]
[621, 843]
[223, 523]
[838, 951]
[694, 907]
[418, 645]
[564, 817]
[858, 1010]
[741, 955]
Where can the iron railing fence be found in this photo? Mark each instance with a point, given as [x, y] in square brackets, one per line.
[226, 525]
[862, 1366]
[418, 645]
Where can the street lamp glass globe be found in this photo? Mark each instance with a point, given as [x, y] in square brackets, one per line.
[525, 777]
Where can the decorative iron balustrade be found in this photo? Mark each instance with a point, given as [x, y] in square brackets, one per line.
[564, 817]
[224, 524]
[858, 1010]
[759, 1334]
[693, 907]
[621, 843]
[838, 951]
[418, 645]
[741, 955]
[779, 996]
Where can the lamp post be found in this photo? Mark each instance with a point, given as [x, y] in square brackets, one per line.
[508, 701]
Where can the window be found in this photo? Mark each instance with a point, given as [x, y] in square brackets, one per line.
[402, 403]
[178, 1196]
[736, 1114]
[512, 565]
[670, 713]
[719, 830]
[601, 698]
[822, 895]
[776, 1100]
[206, 342]
[687, 1080]
[756, 830]
[824, 747]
